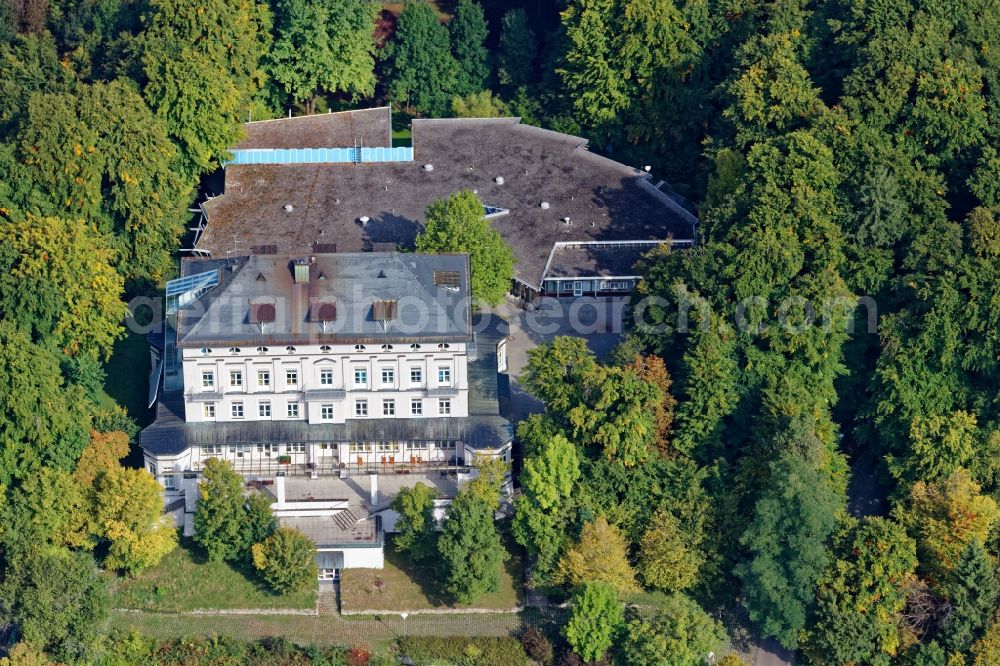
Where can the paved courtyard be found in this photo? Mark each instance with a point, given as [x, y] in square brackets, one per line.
[599, 320]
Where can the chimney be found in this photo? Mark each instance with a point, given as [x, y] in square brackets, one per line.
[279, 491]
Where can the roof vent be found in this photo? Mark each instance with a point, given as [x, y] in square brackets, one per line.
[647, 168]
[289, 208]
[364, 219]
[566, 220]
[384, 312]
[381, 274]
[544, 205]
[428, 167]
[261, 278]
[498, 180]
[262, 313]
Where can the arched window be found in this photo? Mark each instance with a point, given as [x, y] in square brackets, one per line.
[234, 350]
[289, 350]
[326, 349]
[444, 345]
[262, 350]
[414, 346]
[206, 350]
[386, 347]
[359, 347]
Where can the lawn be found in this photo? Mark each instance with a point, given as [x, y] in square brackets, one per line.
[403, 586]
[185, 581]
[127, 377]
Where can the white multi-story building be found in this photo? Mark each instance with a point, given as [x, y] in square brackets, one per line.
[314, 375]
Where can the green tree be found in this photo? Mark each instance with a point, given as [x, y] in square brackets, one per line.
[491, 474]
[595, 619]
[58, 283]
[614, 409]
[260, 520]
[468, 33]
[480, 104]
[324, 47]
[285, 560]
[57, 601]
[219, 517]
[457, 224]
[128, 513]
[415, 526]
[862, 593]
[939, 444]
[470, 549]
[786, 541]
[201, 66]
[557, 371]
[81, 150]
[47, 509]
[601, 554]
[973, 591]
[420, 69]
[667, 560]
[589, 69]
[680, 634]
[41, 420]
[518, 48]
[540, 512]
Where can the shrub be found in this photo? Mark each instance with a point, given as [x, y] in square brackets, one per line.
[359, 655]
[537, 645]
[428, 650]
[285, 560]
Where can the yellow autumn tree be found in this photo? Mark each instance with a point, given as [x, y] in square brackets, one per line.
[57, 280]
[105, 451]
[600, 555]
[944, 517]
[129, 515]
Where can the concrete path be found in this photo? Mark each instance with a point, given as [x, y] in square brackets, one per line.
[772, 654]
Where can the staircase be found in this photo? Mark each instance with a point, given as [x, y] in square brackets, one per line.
[345, 519]
[328, 598]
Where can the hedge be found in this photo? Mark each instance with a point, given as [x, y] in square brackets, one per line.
[463, 651]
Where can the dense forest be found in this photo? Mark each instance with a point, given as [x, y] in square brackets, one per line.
[820, 443]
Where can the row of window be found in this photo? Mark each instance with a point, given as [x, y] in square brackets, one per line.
[326, 411]
[388, 377]
[240, 450]
[326, 349]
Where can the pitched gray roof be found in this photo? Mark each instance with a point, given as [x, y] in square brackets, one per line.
[602, 198]
[357, 284]
[364, 127]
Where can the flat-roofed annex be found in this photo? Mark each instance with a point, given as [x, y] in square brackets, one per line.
[509, 164]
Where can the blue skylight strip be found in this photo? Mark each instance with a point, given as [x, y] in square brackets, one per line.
[322, 155]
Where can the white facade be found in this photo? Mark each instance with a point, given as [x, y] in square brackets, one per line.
[326, 384]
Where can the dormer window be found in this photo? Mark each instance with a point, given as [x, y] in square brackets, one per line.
[289, 350]
[359, 347]
[262, 350]
[234, 350]
[386, 347]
